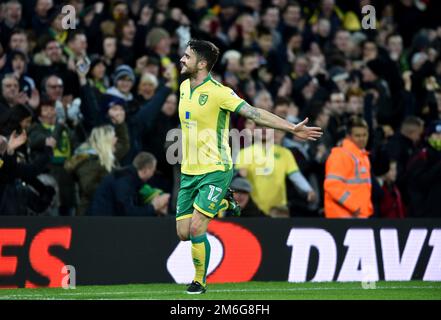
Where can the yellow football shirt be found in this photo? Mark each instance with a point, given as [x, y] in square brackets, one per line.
[204, 112]
[267, 169]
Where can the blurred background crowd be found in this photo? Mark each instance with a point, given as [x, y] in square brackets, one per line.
[84, 112]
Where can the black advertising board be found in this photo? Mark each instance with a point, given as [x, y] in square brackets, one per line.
[34, 251]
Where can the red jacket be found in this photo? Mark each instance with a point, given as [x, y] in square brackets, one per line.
[392, 205]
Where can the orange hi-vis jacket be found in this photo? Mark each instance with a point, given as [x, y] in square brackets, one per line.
[348, 182]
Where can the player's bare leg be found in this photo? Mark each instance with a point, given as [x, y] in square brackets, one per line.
[183, 229]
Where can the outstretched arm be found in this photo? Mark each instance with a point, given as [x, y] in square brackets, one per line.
[268, 119]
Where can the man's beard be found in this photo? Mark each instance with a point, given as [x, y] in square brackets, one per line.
[191, 73]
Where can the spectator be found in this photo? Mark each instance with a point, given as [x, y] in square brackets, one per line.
[424, 186]
[76, 45]
[242, 189]
[123, 80]
[263, 100]
[392, 205]
[292, 16]
[19, 67]
[10, 94]
[342, 43]
[50, 60]
[337, 107]
[293, 40]
[354, 100]
[97, 76]
[67, 109]
[402, 146]
[394, 43]
[56, 29]
[269, 56]
[21, 193]
[109, 49]
[348, 178]
[267, 174]
[142, 117]
[386, 112]
[119, 192]
[40, 20]
[158, 44]
[97, 157]
[147, 87]
[242, 34]
[126, 31]
[12, 19]
[271, 20]
[48, 131]
[166, 120]
[19, 41]
[19, 120]
[339, 78]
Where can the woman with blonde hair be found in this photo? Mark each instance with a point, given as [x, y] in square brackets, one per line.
[97, 157]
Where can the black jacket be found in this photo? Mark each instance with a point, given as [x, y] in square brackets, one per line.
[425, 184]
[139, 123]
[16, 197]
[401, 149]
[143, 121]
[118, 195]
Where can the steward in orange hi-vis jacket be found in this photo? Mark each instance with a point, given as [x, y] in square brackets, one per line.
[348, 179]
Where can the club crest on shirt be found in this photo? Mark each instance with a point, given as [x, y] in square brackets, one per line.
[203, 99]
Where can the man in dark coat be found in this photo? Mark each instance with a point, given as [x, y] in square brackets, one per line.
[425, 177]
[119, 192]
[402, 146]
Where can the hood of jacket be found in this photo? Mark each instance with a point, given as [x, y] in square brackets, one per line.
[82, 153]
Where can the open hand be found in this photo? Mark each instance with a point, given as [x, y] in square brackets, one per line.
[311, 196]
[16, 141]
[303, 132]
[22, 98]
[117, 115]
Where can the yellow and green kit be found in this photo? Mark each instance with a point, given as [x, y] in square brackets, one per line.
[206, 169]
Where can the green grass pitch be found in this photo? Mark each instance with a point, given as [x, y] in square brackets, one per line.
[415, 290]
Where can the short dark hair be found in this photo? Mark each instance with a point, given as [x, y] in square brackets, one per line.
[389, 36]
[205, 50]
[72, 35]
[18, 31]
[356, 122]
[263, 31]
[143, 159]
[412, 121]
[16, 114]
[265, 10]
[315, 109]
[292, 4]
[247, 53]
[20, 112]
[282, 101]
[45, 101]
[45, 40]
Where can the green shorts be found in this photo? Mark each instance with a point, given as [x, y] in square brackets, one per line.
[203, 192]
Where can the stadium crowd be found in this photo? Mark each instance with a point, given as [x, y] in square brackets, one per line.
[85, 112]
